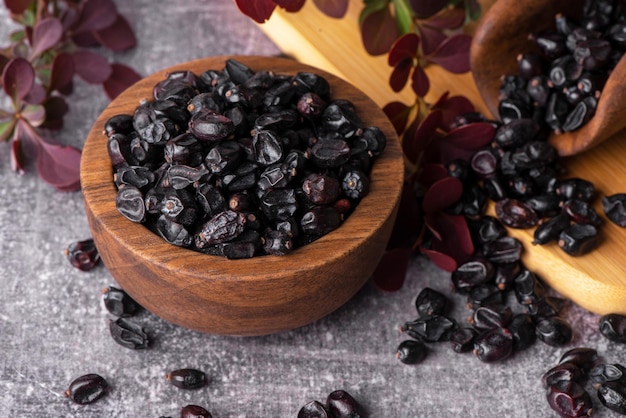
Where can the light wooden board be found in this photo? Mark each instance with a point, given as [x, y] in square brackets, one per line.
[596, 281]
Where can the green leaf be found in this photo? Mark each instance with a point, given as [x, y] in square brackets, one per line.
[17, 36]
[6, 129]
[34, 114]
[404, 16]
[371, 6]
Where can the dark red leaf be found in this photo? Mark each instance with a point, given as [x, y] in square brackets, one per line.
[117, 37]
[420, 82]
[405, 47]
[471, 136]
[35, 115]
[121, 78]
[96, 15]
[36, 95]
[390, 273]
[451, 235]
[258, 10]
[18, 78]
[431, 39]
[452, 107]
[441, 260]
[59, 165]
[47, 33]
[17, 6]
[424, 9]
[62, 74]
[400, 74]
[442, 194]
[290, 5]
[6, 129]
[332, 8]
[56, 108]
[378, 31]
[4, 60]
[451, 18]
[68, 18]
[424, 134]
[453, 54]
[86, 40]
[17, 160]
[91, 67]
[408, 223]
[398, 113]
[431, 173]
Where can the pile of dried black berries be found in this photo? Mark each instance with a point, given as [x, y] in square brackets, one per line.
[339, 404]
[241, 163]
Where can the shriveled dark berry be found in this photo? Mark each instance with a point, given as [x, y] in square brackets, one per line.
[411, 351]
[83, 254]
[551, 229]
[493, 345]
[506, 273]
[119, 303]
[614, 207]
[119, 124]
[528, 287]
[87, 389]
[314, 409]
[223, 227]
[433, 328]
[343, 405]
[583, 357]
[562, 372]
[489, 317]
[320, 220]
[473, 272]
[486, 294]
[522, 328]
[129, 202]
[277, 242]
[355, 184]
[503, 250]
[128, 334]
[569, 399]
[579, 239]
[546, 306]
[431, 302]
[554, 331]
[187, 378]
[516, 214]
[486, 229]
[462, 339]
[194, 411]
[613, 327]
[321, 189]
[581, 212]
[603, 373]
[613, 396]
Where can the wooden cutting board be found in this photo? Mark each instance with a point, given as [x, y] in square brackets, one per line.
[596, 281]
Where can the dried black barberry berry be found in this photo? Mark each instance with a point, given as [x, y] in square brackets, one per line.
[433, 328]
[603, 373]
[462, 339]
[579, 239]
[128, 334]
[431, 302]
[187, 378]
[583, 357]
[613, 395]
[613, 327]
[314, 409]
[411, 351]
[194, 411]
[493, 345]
[614, 207]
[87, 389]
[119, 303]
[554, 331]
[522, 328]
[83, 254]
[341, 404]
[569, 399]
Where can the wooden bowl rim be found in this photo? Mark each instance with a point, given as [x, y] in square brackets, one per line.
[377, 206]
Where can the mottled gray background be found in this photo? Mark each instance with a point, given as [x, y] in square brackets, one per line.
[53, 326]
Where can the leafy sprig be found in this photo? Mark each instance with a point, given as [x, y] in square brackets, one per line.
[51, 47]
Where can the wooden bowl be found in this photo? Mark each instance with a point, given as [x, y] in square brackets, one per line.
[503, 33]
[257, 296]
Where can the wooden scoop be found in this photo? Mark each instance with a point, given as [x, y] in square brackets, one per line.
[503, 34]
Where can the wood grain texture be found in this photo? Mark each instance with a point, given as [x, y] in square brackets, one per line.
[241, 297]
[596, 281]
[503, 33]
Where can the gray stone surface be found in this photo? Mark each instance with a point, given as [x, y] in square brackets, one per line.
[53, 325]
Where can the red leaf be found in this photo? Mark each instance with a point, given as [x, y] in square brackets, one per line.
[424, 9]
[400, 74]
[448, 19]
[442, 194]
[36, 95]
[441, 260]
[471, 136]
[423, 136]
[420, 82]
[91, 67]
[96, 15]
[431, 39]
[451, 107]
[62, 74]
[56, 108]
[17, 6]
[390, 273]
[121, 78]
[290, 5]
[16, 156]
[59, 165]
[332, 8]
[408, 223]
[431, 173]
[46, 34]
[117, 37]
[453, 54]
[258, 10]
[405, 47]
[398, 114]
[451, 235]
[378, 31]
[18, 78]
